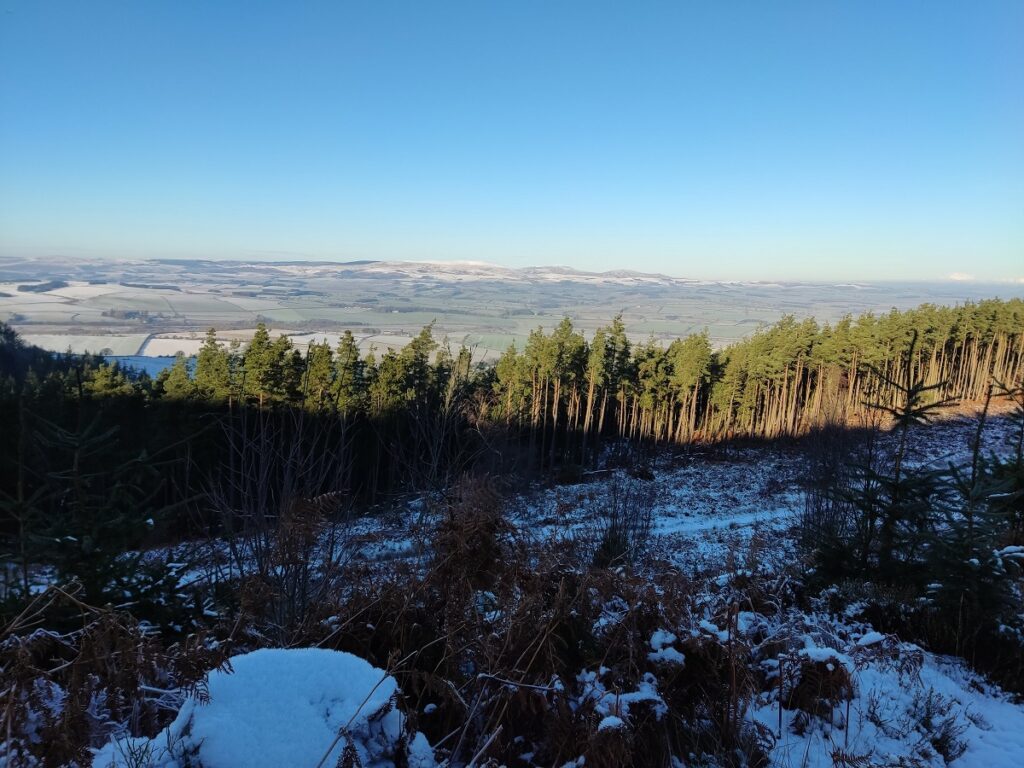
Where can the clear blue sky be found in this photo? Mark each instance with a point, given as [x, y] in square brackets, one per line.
[715, 139]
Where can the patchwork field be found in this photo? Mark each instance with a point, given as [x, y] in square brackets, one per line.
[119, 305]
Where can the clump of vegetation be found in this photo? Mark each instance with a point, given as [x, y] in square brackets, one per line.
[67, 691]
[43, 287]
[625, 514]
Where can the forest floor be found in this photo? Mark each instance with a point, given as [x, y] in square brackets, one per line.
[723, 518]
[705, 500]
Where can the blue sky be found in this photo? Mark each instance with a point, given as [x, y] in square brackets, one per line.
[767, 140]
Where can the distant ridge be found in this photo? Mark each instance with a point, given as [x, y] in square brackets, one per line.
[14, 268]
[308, 263]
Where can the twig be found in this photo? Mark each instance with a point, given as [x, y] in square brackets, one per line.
[472, 763]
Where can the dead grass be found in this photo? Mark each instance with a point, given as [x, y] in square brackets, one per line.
[503, 646]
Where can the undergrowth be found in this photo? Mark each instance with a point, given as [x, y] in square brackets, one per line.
[509, 649]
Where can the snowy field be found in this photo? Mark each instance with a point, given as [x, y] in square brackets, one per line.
[169, 346]
[121, 345]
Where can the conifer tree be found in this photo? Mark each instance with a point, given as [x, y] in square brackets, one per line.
[258, 366]
[108, 381]
[968, 579]
[174, 382]
[691, 370]
[414, 369]
[213, 370]
[319, 375]
[387, 389]
[349, 380]
[596, 374]
[619, 370]
[509, 384]
[909, 493]
[103, 511]
[288, 372]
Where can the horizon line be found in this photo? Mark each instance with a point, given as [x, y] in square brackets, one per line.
[954, 277]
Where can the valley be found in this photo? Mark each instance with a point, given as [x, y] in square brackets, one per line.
[158, 308]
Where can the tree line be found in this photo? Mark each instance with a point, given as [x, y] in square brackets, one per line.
[782, 381]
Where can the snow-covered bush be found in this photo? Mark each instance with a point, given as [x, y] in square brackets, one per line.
[277, 708]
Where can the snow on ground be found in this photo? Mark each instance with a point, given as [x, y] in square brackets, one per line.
[950, 439]
[906, 707]
[892, 703]
[706, 504]
[701, 503]
[709, 502]
[277, 708]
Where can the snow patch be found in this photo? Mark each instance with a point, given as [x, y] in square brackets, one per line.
[611, 723]
[281, 708]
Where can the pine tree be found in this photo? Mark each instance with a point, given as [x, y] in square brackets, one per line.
[108, 381]
[350, 385]
[691, 371]
[909, 493]
[213, 370]
[288, 372]
[174, 382]
[596, 374]
[387, 388]
[509, 385]
[104, 510]
[258, 364]
[414, 367]
[619, 368]
[319, 375]
[975, 563]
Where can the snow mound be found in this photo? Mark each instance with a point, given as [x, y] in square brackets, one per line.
[279, 708]
[662, 650]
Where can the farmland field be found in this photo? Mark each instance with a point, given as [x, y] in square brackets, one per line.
[118, 305]
[82, 343]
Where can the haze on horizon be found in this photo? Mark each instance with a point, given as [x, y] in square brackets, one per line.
[790, 141]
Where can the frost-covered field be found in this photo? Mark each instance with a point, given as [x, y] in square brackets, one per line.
[82, 343]
[160, 346]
